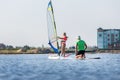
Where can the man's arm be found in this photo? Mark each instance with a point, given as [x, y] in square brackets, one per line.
[85, 49]
[76, 50]
[85, 46]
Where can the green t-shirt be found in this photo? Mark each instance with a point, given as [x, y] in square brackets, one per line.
[81, 45]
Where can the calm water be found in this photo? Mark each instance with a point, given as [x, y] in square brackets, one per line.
[39, 67]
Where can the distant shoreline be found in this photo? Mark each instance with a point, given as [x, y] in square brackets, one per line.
[101, 52]
[108, 51]
[38, 52]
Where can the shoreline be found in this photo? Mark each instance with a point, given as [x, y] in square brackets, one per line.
[68, 51]
[108, 51]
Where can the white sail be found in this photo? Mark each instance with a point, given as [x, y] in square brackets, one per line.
[52, 31]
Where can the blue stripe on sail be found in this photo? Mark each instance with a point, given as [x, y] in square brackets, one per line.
[49, 6]
[55, 49]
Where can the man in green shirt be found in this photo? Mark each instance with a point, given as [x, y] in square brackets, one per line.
[80, 48]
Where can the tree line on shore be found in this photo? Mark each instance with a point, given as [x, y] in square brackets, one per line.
[27, 49]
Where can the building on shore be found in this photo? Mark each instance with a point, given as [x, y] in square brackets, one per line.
[108, 38]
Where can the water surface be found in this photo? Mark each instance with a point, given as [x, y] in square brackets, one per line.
[39, 67]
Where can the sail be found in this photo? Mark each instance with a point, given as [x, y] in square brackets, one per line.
[52, 31]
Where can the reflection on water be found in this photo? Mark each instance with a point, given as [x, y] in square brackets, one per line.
[39, 67]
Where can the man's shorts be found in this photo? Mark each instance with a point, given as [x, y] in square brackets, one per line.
[81, 52]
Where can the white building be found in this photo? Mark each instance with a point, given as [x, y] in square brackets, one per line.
[108, 38]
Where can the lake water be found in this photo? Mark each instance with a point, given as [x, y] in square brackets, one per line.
[39, 67]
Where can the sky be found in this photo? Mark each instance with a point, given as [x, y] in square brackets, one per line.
[24, 22]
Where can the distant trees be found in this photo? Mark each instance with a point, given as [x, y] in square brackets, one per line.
[9, 47]
[25, 48]
[72, 47]
[2, 46]
[28, 49]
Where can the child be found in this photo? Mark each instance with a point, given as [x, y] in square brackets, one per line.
[63, 43]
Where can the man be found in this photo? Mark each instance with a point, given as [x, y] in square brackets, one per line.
[80, 48]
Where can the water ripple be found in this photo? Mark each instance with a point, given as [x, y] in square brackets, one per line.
[39, 67]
